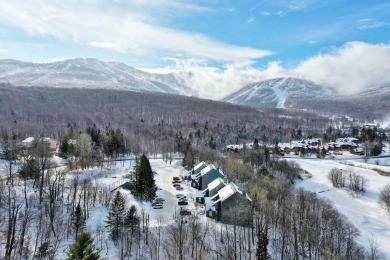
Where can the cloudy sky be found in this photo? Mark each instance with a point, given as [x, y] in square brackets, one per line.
[340, 43]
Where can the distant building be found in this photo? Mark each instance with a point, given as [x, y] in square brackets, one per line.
[52, 143]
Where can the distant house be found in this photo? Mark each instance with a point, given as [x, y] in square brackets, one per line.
[52, 143]
[284, 147]
[211, 190]
[206, 176]
[230, 206]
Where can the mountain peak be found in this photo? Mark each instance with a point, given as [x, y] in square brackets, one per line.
[276, 92]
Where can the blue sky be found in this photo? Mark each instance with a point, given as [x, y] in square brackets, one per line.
[228, 41]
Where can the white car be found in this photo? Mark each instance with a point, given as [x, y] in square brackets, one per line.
[157, 206]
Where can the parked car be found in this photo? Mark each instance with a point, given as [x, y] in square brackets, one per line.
[158, 206]
[176, 184]
[159, 199]
[185, 212]
[176, 178]
[180, 195]
[176, 181]
[178, 187]
[183, 202]
[156, 202]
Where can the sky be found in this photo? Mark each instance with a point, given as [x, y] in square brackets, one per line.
[342, 44]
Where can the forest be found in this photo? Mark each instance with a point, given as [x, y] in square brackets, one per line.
[44, 206]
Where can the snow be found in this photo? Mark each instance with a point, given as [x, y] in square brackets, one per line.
[228, 191]
[280, 93]
[199, 165]
[364, 212]
[215, 183]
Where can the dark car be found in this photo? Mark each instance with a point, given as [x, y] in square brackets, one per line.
[183, 202]
[176, 178]
[159, 199]
[185, 212]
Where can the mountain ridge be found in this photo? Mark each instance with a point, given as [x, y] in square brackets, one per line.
[90, 73]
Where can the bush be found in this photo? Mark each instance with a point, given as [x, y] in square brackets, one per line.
[337, 178]
[384, 197]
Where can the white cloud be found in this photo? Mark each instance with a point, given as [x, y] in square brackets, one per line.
[350, 69]
[216, 83]
[123, 26]
[364, 24]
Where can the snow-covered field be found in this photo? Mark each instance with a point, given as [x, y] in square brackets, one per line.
[364, 212]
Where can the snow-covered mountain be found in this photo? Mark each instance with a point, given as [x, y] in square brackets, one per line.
[90, 73]
[279, 93]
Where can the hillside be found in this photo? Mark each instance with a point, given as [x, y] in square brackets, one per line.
[279, 93]
[90, 73]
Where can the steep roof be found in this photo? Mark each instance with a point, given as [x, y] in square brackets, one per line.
[215, 183]
[199, 165]
[227, 191]
[208, 169]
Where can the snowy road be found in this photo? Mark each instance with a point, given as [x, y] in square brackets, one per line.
[165, 173]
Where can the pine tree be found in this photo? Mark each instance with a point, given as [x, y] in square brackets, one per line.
[189, 157]
[30, 169]
[132, 220]
[78, 221]
[45, 251]
[83, 249]
[145, 186]
[116, 216]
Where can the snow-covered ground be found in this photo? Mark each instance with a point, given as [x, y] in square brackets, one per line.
[364, 212]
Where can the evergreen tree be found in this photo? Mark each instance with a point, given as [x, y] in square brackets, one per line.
[256, 144]
[116, 216]
[64, 147]
[45, 251]
[132, 220]
[83, 248]
[189, 157]
[30, 169]
[145, 186]
[78, 221]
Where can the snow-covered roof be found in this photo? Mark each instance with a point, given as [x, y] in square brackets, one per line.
[227, 191]
[199, 165]
[199, 194]
[28, 140]
[31, 138]
[215, 183]
[208, 169]
[283, 145]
